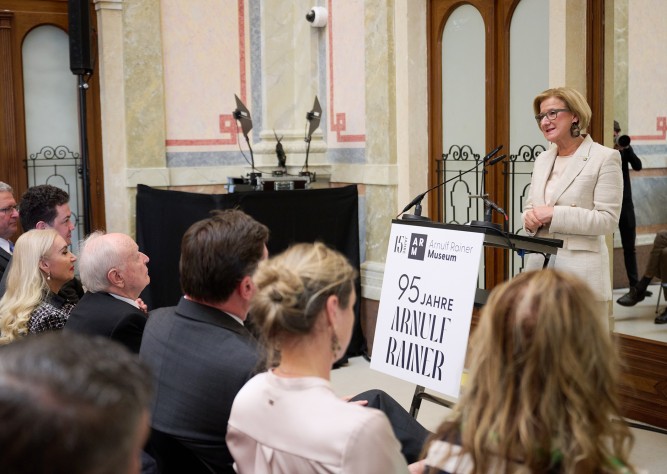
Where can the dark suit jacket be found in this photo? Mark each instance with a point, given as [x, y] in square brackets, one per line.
[5, 257]
[103, 315]
[201, 357]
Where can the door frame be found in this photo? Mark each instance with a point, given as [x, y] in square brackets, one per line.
[17, 19]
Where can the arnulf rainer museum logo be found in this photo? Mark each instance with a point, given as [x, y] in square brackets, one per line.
[417, 246]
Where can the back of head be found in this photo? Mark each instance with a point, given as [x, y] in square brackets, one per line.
[26, 284]
[293, 287]
[543, 378]
[574, 101]
[218, 252]
[70, 404]
[98, 254]
[39, 203]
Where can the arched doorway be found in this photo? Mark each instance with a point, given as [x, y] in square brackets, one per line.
[39, 135]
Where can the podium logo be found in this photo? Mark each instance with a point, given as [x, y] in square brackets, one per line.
[417, 246]
[401, 244]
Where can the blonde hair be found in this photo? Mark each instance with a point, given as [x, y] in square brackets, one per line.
[292, 290]
[26, 283]
[542, 384]
[574, 101]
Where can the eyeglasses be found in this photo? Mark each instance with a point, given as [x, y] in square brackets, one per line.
[551, 115]
[9, 209]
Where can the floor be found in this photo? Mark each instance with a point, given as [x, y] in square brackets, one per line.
[649, 452]
[638, 320]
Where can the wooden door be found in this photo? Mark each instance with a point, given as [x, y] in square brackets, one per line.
[21, 22]
[496, 53]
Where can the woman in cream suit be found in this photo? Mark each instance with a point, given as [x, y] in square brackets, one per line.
[576, 191]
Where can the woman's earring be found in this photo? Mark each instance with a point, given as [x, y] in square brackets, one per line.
[575, 131]
[48, 276]
[335, 344]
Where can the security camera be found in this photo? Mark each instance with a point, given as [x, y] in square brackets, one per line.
[317, 17]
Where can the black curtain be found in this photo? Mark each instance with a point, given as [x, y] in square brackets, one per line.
[327, 215]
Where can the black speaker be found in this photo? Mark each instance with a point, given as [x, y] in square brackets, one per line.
[80, 54]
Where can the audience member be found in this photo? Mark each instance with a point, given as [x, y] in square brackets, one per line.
[9, 218]
[541, 395]
[627, 223]
[71, 404]
[656, 267]
[41, 265]
[288, 419]
[114, 272]
[200, 351]
[47, 207]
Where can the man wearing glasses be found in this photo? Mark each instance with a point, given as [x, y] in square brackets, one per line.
[47, 207]
[9, 218]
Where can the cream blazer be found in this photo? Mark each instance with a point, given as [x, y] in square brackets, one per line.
[587, 205]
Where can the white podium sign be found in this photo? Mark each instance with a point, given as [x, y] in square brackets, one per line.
[425, 312]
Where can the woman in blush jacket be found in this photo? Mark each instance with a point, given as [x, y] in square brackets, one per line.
[288, 420]
[575, 193]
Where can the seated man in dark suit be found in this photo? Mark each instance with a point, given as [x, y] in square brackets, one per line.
[9, 218]
[200, 351]
[114, 272]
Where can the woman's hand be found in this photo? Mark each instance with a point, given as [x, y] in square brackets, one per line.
[530, 222]
[543, 214]
[347, 398]
[142, 306]
[417, 467]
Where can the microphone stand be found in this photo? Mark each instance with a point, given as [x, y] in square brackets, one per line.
[488, 208]
[242, 114]
[313, 118]
[417, 216]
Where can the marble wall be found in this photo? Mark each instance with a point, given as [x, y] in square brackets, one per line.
[170, 71]
[639, 107]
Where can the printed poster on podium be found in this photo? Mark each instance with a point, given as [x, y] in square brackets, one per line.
[426, 303]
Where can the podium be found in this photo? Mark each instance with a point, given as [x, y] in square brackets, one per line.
[493, 237]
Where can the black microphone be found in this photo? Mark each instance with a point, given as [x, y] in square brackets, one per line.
[491, 153]
[417, 200]
[496, 160]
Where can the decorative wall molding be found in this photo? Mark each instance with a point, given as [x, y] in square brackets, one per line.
[108, 5]
[383, 175]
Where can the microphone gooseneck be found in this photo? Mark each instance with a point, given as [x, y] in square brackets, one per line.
[486, 160]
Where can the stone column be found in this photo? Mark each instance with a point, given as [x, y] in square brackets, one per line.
[132, 103]
[290, 73]
[145, 114]
[381, 123]
[112, 102]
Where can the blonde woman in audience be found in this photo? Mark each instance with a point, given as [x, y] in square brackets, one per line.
[288, 420]
[41, 265]
[541, 394]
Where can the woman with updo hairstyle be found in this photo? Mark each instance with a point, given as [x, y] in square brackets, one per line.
[289, 420]
[541, 395]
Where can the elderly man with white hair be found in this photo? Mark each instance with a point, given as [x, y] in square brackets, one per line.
[114, 272]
